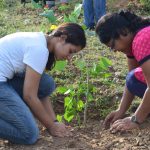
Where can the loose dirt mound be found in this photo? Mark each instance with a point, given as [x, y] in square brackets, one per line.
[92, 137]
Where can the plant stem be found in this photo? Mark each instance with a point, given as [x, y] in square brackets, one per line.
[87, 94]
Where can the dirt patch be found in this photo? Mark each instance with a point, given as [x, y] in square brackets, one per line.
[91, 137]
[122, 4]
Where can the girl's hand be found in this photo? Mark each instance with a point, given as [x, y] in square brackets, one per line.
[59, 130]
[112, 117]
[123, 125]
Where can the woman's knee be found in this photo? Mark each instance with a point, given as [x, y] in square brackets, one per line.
[26, 133]
[47, 86]
[30, 135]
[130, 77]
[135, 86]
[28, 128]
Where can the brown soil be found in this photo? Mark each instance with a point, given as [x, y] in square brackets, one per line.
[91, 137]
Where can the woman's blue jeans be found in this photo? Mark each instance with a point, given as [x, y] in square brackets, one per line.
[93, 11]
[135, 86]
[17, 123]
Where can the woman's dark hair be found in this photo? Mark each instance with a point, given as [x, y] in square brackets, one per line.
[111, 26]
[75, 35]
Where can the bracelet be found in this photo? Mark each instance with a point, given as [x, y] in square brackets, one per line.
[134, 120]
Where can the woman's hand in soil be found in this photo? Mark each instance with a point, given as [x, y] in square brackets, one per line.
[59, 130]
[112, 117]
[123, 125]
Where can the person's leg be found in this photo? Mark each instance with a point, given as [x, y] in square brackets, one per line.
[50, 3]
[99, 9]
[135, 86]
[64, 1]
[46, 85]
[17, 123]
[88, 13]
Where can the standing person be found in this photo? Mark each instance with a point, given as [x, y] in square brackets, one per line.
[93, 10]
[25, 88]
[64, 2]
[49, 3]
[130, 34]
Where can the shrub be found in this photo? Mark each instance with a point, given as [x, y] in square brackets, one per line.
[146, 4]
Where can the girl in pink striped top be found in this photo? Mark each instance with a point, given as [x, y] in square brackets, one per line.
[130, 34]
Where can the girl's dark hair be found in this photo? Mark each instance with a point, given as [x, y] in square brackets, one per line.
[75, 35]
[111, 26]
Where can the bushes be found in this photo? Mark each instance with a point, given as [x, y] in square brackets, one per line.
[146, 4]
[2, 4]
[7, 3]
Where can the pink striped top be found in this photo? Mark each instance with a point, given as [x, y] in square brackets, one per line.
[141, 51]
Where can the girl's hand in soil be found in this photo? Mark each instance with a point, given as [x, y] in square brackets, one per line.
[59, 130]
[123, 125]
[112, 117]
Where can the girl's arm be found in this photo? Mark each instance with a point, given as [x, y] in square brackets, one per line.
[126, 101]
[144, 108]
[127, 97]
[30, 91]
